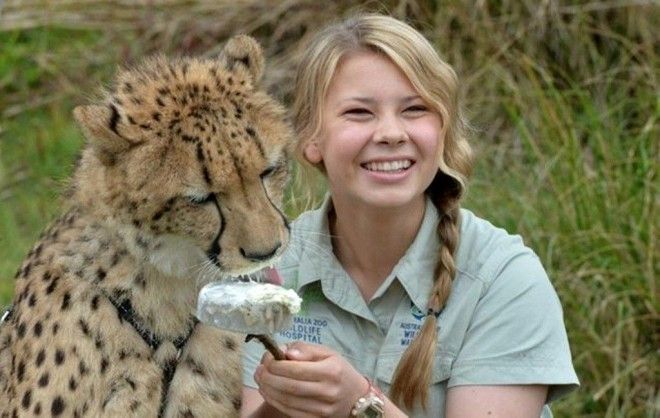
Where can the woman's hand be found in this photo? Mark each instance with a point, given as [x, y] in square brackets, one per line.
[313, 381]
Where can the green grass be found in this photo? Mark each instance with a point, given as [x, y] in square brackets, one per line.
[564, 101]
[38, 141]
[582, 189]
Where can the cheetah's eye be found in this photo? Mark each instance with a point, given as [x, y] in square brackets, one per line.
[200, 200]
[270, 170]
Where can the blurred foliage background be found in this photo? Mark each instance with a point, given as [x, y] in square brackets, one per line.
[563, 97]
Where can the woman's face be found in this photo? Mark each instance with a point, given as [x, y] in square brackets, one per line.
[380, 142]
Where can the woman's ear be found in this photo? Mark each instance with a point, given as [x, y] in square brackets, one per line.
[312, 153]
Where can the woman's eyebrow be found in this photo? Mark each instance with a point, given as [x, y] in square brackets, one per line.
[411, 98]
[370, 100]
[362, 99]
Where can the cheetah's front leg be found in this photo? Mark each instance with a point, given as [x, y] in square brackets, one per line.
[207, 382]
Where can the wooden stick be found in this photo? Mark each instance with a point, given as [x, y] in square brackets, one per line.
[270, 345]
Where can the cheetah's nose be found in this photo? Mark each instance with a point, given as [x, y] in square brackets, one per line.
[260, 255]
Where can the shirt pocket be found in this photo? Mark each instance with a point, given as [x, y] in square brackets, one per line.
[386, 367]
[438, 386]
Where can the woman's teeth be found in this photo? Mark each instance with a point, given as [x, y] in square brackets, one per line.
[388, 165]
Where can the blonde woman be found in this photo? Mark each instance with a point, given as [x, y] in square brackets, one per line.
[412, 305]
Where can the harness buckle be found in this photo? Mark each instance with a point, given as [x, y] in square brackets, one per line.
[6, 314]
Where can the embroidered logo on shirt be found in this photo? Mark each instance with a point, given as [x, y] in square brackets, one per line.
[416, 312]
[305, 329]
[408, 332]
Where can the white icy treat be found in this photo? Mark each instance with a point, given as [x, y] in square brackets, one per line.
[247, 307]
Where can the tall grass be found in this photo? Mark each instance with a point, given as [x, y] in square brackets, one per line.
[563, 97]
[572, 166]
[583, 192]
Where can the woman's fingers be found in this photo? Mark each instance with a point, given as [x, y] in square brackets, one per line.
[318, 382]
[310, 362]
[307, 352]
[281, 406]
[291, 387]
[302, 370]
[296, 403]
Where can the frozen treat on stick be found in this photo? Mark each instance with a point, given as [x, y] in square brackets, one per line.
[251, 305]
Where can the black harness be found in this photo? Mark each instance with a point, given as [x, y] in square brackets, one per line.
[127, 313]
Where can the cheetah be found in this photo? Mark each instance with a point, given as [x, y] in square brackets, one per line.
[180, 183]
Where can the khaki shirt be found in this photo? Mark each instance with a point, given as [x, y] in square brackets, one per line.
[502, 323]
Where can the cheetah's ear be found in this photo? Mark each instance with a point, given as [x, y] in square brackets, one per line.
[99, 124]
[244, 51]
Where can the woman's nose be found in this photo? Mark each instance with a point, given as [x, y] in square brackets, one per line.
[390, 130]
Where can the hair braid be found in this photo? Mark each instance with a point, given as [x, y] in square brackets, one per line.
[413, 373]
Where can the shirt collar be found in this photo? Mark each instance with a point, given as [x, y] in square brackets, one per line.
[414, 271]
[312, 232]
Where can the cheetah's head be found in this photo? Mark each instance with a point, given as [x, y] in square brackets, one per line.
[189, 159]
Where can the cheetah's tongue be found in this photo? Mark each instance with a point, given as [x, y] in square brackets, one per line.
[272, 276]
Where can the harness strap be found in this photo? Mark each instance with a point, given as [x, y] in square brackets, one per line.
[127, 313]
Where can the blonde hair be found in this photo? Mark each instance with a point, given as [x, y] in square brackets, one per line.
[437, 84]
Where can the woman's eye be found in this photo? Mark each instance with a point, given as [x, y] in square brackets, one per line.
[200, 200]
[417, 108]
[358, 111]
